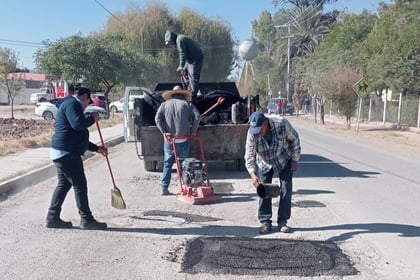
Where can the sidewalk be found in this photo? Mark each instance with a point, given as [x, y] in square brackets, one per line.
[34, 165]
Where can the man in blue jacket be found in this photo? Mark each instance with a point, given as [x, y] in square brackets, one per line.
[190, 59]
[69, 142]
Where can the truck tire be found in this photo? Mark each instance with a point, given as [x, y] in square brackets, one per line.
[150, 165]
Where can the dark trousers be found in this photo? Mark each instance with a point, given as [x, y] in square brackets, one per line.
[194, 72]
[70, 172]
[285, 204]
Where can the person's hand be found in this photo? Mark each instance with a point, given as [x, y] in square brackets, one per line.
[180, 70]
[167, 136]
[95, 116]
[294, 166]
[103, 151]
[255, 180]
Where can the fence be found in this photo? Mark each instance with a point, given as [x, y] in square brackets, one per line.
[404, 110]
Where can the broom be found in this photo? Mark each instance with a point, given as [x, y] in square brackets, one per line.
[117, 200]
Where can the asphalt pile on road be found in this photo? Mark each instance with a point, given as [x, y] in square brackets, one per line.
[250, 256]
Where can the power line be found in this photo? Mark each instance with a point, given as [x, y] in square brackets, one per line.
[20, 43]
[108, 11]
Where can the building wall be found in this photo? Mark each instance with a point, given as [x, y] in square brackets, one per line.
[33, 82]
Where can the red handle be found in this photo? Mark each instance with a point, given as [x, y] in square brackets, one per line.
[182, 78]
[219, 101]
[106, 156]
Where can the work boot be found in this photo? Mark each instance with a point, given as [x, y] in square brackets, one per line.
[282, 227]
[265, 227]
[58, 223]
[166, 192]
[92, 225]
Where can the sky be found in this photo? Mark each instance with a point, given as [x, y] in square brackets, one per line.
[26, 23]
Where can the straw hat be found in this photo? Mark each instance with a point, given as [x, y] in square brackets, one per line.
[177, 90]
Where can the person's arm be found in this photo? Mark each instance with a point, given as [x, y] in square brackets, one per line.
[196, 119]
[294, 142]
[76, 117]
[160, 122]
[160, 119]
[98, 149]
[182, 50]
[250, 154]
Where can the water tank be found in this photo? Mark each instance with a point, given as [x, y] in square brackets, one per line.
[248, 50]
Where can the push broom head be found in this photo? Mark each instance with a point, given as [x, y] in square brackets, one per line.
[117, 200]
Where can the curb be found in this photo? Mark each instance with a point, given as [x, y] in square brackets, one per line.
[36, 176]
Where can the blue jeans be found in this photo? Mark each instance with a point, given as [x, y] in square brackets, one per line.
[182, 149]
[285, 204]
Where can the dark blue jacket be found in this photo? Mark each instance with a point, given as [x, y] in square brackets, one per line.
[71, 128]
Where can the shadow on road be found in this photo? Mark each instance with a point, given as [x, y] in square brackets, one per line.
[205, 230]
[355, 229]
[317, 166]
[311, 192]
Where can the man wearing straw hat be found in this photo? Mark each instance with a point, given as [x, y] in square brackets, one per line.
[174, 119]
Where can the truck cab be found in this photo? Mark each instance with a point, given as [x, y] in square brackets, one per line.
[44, 94]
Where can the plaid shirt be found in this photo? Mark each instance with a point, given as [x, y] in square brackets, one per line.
[285, 145]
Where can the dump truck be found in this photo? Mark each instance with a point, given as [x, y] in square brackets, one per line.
[223, 130]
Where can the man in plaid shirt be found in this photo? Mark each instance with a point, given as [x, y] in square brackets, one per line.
[272, 146]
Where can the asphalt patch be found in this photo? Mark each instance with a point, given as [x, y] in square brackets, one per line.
[254, 256]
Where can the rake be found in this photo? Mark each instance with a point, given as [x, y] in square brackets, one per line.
[117, 200]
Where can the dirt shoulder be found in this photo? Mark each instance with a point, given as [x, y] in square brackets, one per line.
[28, 131]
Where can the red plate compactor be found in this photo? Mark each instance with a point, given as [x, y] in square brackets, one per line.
[193, 177]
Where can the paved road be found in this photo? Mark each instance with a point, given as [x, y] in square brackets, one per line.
[355, 209]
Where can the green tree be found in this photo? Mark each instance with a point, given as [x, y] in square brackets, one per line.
[391, 51]
[13, 84]
[101, 62]
[339, 49]
[143, 30]
[303, 3]
[214, 37]
[309, 26]
[265, 31]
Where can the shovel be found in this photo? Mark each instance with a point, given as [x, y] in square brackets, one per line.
[182, 78]
[219, 101]
[117, 200]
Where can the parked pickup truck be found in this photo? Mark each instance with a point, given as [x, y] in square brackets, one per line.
[223, 130]
[44, 94]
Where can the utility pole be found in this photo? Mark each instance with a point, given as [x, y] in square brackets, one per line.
[288, 58]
